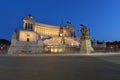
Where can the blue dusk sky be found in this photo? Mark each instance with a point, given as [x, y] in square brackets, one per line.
[101, 16]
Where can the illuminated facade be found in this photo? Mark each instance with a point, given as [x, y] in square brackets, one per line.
[47, 30]
[37, 37]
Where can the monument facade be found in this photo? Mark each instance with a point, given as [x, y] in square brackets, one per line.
[37, 37]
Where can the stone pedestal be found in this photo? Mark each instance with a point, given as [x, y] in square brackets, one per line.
[86, 46]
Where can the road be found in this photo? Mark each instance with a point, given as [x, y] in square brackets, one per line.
[60, 67]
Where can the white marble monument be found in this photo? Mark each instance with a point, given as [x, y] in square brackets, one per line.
[34, 36]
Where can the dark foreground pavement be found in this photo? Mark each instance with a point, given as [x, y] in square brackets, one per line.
[58, 68]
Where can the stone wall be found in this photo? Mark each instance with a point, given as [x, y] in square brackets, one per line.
[26, 47]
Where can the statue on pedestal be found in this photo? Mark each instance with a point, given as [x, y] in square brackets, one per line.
[86, 46]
